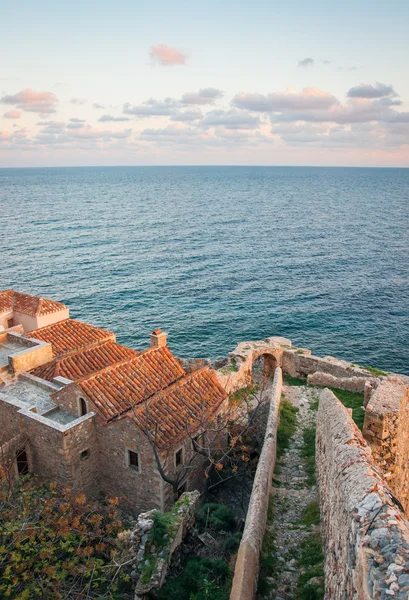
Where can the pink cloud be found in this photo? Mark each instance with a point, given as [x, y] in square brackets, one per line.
[166, 56]
[12, 114]
[5, 136]
[31, 101]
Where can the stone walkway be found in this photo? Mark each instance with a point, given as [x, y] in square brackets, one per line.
[291, 494]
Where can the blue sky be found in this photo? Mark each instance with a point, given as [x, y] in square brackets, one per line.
[122, 56]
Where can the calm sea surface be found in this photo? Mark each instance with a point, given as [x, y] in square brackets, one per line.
[218, 255]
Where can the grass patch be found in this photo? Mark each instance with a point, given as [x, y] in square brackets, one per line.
[231, 368]
[268, 562]
[355, 401]
[294, 381]
[374, 371]
[243, 395]
[315, 403]
[311, 564]
[308, 452]
[311, 514]
[287, 425]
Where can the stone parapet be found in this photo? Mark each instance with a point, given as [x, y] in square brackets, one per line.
[386, 429]
[153, 557]
[366, 537]
[248, 557]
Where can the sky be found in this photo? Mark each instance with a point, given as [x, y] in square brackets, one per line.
[206, 83]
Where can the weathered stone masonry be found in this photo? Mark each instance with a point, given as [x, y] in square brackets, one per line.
[366, 537]
[386, 429]
[248, 557]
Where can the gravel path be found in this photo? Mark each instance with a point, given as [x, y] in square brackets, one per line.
[291, 494]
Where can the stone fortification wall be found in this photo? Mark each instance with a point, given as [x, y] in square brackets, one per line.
[236, 372]
[366, 538]
[299, 362]
[247, 564]
[386, 429]
[352, 384]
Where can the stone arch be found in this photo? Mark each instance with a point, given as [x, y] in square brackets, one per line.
[271, 359]
[236, 371]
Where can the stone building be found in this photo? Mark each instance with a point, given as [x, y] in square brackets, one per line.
[90, 414]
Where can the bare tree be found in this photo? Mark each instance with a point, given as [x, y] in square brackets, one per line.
[218, 444]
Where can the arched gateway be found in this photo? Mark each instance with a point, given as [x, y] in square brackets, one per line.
[236, 373]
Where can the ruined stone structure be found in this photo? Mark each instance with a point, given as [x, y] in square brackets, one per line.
[247, 564]
[366, 537]
[386, 429]
[81, 410]
[93, 412]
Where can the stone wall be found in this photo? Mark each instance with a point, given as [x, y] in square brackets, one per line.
[351, 384]
[33, 353]
[366, 538]
[153, 560]
[138, 490]
[248, 557]
[55, 450]
[386, 429]
[299, 362]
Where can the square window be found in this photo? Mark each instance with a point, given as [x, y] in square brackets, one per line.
[84, 454]
[179, 457]
[133, 460]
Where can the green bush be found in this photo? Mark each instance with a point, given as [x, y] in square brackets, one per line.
[216, 516]
[201, 579]
[233, 542]
[163, 528]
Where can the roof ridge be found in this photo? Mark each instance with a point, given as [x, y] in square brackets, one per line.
[122, 362]
[39, 304]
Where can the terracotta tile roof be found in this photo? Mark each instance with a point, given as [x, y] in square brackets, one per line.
[85, 362]
[71, 335]
[35, 305]
[28, 304]
[6, 300]
[180, 409]
[116, 389]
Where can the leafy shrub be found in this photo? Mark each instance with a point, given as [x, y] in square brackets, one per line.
[233, 542]
[163, 528]
[201, 577]
[58, 546]
[216, 516]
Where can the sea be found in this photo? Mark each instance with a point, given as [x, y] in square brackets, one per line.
[218, 255]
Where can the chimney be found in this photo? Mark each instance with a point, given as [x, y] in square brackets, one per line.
[158, 338]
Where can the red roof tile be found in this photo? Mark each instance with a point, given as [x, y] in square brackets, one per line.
[6, 300]
[71, 335]
[27, 304]
[181, 409]
[85, 362]
[116, 389]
